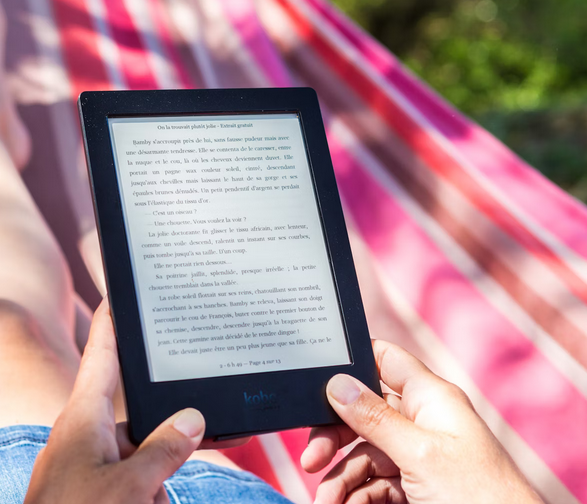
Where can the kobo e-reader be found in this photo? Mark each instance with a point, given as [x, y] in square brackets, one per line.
[229, 271]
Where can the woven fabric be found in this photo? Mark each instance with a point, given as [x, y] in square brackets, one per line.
[466, 255]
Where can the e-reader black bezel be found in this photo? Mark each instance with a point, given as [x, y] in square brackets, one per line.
[297, 397]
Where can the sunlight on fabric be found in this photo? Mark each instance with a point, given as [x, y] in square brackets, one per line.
[573, 260]
[186, 19]
[106, 45]
[443, 363]
[163, 71]
[46, 75]
[285, 470]
[461, 260]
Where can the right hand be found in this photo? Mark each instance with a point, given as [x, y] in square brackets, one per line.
[424, 445]
[90, 459]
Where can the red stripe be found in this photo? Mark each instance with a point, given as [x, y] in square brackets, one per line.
[421, 185]
[134, 63]
[79, 47]
[245, 21]
[430, 152]
[562, 216]
[251, 457]
[547, 411]
[486, 250]
[160, 16]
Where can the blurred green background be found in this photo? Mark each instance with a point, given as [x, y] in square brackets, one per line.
[517, 67]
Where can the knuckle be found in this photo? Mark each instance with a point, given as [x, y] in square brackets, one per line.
[375, 414]
[426, 450]
[457, 394]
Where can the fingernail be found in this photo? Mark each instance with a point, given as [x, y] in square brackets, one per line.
[189, 422]
[343, 389]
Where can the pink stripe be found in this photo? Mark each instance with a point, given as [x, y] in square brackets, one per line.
[159, 16]
[548, 205]
[531, 395]
[252, 457]
[427, 146]
[243, 17]
[134, 63]
[79, 46]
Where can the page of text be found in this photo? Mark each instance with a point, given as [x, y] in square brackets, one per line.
[227, 247]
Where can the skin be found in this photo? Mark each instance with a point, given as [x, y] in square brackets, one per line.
[424, 443]
[88, 455]
[43, 328]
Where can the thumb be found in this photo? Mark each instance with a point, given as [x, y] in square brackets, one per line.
[167, 448]
[373, 419]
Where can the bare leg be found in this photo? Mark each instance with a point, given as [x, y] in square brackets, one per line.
[42, 323]
[38, 355]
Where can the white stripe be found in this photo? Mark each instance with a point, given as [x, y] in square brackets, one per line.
[573, 260]
[171, 492]
[186, 17]
[287, 474]
[531, 270]
[163, 71]
[50, 84]
[277, 22]
[443, 363]
[232, 42]
[106, 45]
[491, 290]
[526, 266]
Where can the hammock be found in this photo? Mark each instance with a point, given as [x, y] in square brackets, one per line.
[466, 255]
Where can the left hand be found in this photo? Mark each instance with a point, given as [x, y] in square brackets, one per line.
[89, 458]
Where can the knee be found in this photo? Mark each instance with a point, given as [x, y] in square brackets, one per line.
[16, 323]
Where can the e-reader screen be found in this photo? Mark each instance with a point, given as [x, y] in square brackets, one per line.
[227, 248]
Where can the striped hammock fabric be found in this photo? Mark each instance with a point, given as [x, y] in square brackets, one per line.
[466, 256]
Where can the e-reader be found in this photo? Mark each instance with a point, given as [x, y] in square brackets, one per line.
[231, 282]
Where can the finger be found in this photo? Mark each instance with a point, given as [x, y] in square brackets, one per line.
[379, 491]
[394, 401]
[424, 394]
[373, 419]
[161, 497]
[125, 446]
[87, 421]
[398, 368]
[362, 464]
[323, 444]
[98, 374]
[166, 449]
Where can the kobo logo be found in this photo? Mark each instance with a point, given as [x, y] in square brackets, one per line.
[261, 400]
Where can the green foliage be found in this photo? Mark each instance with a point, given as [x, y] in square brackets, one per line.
[519, 67]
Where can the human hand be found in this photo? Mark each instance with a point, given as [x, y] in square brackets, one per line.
[425, 445]
[90, 459]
